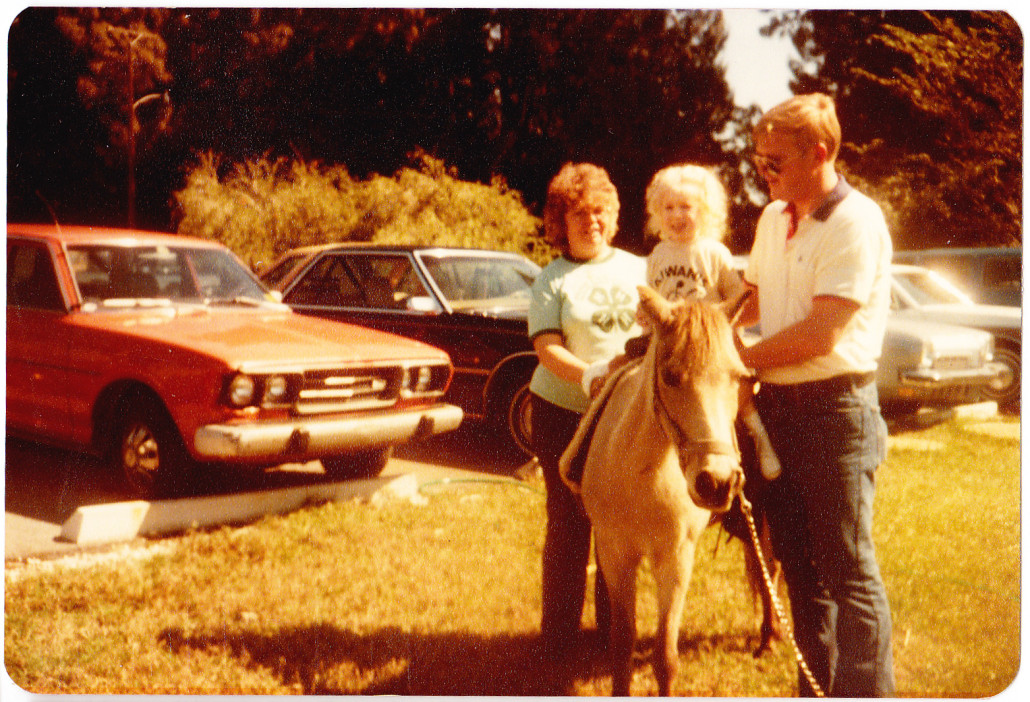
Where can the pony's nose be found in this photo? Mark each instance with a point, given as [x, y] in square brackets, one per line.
[718, 483]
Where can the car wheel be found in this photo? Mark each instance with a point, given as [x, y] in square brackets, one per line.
[518, 418]
[1005, 391]
[149, 454]
[366, 464]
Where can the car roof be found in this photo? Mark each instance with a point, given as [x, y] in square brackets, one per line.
[401, 248]
[83, 234]
[305, 253]
[741, 260]
[969, 251]
[909, 268]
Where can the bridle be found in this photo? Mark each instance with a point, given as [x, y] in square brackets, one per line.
[676, 434]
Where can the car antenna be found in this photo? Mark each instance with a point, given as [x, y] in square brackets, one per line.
[50, 209]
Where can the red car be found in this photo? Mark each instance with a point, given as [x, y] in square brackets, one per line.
[164, 353]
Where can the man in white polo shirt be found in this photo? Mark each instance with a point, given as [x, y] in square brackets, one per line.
[820, 265]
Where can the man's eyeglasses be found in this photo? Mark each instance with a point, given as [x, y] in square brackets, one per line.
[772, 166]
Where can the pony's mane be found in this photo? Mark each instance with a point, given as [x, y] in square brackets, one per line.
[698, 339]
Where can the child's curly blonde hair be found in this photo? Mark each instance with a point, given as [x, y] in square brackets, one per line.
[714, 205]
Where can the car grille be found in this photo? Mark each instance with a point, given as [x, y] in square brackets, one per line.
[336, 390]
[955, 363]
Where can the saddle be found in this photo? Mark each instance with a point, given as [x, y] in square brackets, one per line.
[574, 459]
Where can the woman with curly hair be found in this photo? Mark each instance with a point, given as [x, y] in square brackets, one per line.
[581, 313]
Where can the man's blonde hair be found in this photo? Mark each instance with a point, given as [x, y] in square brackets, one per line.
[713, 210]
[810, 119]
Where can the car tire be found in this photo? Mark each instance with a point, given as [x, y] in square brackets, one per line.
[149, 455]
[1006, 392]
[516, 418]
[366, 464]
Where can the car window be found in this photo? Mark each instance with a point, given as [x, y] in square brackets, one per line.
[387, 280]
[219, 275]
[476, 280]
[328, 283]
[1004, 272]
[275, 275]
[369, 281]
[108, 273]
[31, 280]
[928, 288]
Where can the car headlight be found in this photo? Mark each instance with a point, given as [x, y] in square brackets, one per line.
[420, 378]
[241, 390]
[424, 379]
[276, 390]
[927, 355]
[987, 352]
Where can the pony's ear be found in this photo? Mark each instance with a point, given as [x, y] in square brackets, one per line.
[734, 308]
[653, 305]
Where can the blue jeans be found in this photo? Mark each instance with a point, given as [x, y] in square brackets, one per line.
[830, 438]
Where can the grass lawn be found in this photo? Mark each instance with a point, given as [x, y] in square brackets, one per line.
[441, 597]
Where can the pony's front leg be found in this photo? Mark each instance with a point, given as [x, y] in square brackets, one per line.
[770, 629]
[620, 574]
[672, 576]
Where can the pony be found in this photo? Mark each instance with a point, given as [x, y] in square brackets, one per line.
[653, 458]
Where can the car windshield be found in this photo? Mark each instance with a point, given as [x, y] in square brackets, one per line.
[477, 281]
[286, 265]
[111, 275]
[927, 288]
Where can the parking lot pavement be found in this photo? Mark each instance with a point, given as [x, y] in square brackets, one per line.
[45, 487]
[26, 537]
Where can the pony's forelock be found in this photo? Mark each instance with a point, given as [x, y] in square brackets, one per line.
[698, 338]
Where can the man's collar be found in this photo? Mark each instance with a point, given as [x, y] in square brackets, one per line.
[834, 198]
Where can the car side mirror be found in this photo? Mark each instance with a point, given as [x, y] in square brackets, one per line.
[422, 303]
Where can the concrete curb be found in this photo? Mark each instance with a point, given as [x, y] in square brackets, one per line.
[124, 521]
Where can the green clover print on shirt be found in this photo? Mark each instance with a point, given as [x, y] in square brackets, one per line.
[618, 307]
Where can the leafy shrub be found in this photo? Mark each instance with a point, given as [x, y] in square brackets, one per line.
[264, 207]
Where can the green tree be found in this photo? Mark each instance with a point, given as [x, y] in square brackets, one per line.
[509, 93]
[931, 107]
[630, 90]
[263, 207]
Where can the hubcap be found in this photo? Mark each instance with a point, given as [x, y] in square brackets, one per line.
[1004, 381]
[520, 419]
[140, 456]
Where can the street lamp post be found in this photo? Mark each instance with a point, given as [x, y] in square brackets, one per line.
[134, 105]
[132, 137]
[132, 150]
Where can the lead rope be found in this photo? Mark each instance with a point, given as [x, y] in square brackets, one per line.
[745, 507]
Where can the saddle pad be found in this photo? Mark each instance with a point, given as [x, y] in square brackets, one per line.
[573, 460]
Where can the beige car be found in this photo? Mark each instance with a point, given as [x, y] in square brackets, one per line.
[927, 362]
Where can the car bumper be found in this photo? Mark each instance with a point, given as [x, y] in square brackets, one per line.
[948, 387]
[308, 439]
[930, 378]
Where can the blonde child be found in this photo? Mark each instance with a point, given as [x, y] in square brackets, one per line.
[687, 210]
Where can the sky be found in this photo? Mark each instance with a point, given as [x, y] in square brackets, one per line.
[756, 67]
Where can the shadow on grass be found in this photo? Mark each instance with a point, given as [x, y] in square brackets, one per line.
[326, 660]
